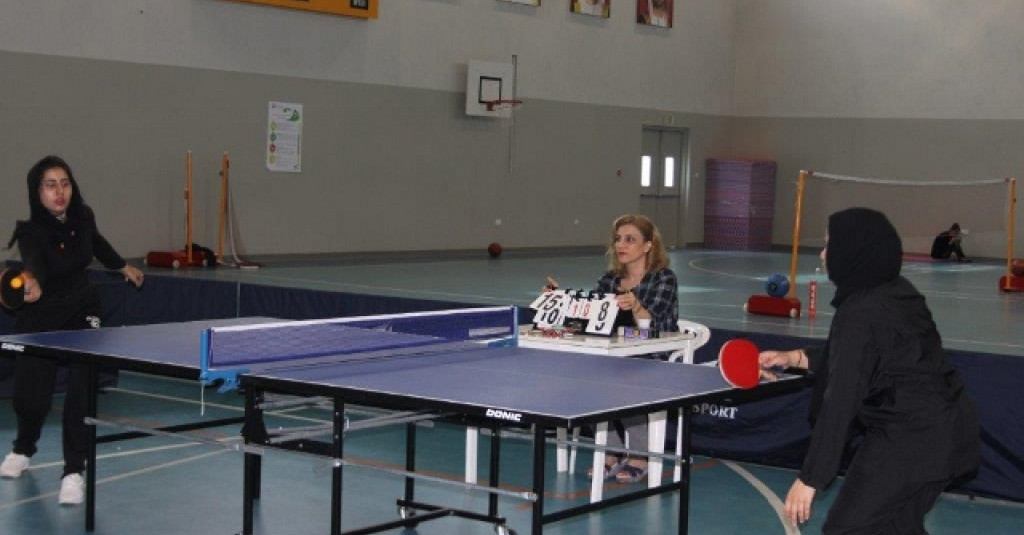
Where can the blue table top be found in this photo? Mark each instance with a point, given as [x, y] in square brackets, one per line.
[512, 383]
[506, 383]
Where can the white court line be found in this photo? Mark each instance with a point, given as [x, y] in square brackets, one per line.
[282, 413]
[967, 292]
[769, 496]
[154, 449]
[694, 265]
[125, 475]
[775, 326]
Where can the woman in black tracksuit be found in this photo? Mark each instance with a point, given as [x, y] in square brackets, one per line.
[57, 243]
[884, 375]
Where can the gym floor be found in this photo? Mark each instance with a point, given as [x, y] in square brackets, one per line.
[164, 486]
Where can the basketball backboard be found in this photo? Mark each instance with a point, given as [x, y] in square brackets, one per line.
[486, 82]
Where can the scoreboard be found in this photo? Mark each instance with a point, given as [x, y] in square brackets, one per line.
[362, 9]
[593, 313]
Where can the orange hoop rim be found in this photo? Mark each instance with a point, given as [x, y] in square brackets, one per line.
[510, 102]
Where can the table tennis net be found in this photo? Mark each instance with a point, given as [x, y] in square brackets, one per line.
[347, 338]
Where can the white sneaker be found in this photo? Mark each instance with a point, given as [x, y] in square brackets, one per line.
[14, 464]
[72, 490]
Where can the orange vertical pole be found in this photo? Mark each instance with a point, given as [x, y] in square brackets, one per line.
[223, 216]
[794, 257]
[188, 207]
[1011, 221]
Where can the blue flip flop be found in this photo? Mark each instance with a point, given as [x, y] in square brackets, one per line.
[630, 474]
[612, 470]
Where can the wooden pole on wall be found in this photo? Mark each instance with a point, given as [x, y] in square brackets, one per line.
[188, 207]
[796, 232]
[1010, 227]
[222, 219]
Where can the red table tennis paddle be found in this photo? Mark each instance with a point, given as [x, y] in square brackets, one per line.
[12, 288]
[737, 360]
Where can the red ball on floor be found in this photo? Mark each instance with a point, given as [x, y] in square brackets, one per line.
[494, 249]
[1017, 267]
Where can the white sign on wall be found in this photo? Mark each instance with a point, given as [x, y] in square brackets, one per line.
[284, 137]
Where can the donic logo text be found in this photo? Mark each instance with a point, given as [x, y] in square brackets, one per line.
[504, 415]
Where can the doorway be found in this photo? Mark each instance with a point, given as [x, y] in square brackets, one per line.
[664, 179]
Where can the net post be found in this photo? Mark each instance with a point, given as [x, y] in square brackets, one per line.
[1010, 224]
[801, 179]
[204, 352]
[223, 208]
[188, 207]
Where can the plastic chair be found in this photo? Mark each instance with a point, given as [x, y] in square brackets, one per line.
[701, 335]
[656, 422]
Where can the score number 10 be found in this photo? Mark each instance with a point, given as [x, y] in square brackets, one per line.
[554, 306]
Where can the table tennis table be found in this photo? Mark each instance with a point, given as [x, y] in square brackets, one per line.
[165, 350]
[458, 368]
[679, 346]
[499, 386]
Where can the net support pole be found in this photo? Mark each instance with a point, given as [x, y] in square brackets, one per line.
[1011, 222]
[188, 207]
[794, 257]
[223, 211]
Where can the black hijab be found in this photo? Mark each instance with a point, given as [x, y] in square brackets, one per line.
[38, 213]
[864, 251]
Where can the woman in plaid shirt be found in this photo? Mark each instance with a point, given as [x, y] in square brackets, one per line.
[646, 289]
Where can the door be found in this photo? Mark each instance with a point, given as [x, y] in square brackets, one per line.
[664, 180]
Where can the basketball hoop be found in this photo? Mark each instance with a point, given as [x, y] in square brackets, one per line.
[500, 104]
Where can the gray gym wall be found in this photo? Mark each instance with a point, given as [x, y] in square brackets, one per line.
[909, 89]
[122, 88]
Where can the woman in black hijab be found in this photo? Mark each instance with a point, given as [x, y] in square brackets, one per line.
[882, 374]
[57, 243]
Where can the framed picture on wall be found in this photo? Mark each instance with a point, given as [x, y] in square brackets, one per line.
[654, 13]
[527, 2]
[594, 8]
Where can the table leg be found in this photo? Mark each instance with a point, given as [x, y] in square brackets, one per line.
[677, 473]
[337, 452]
[561, 451]
[90, 472]
[573, 449]
[597, 482]
[251, 461]
[494, 477]
[656, 444]
[472, 443]
[410, 461]
[684, 491]
[539, 443]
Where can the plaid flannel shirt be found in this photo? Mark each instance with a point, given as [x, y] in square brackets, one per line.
[656, 293]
